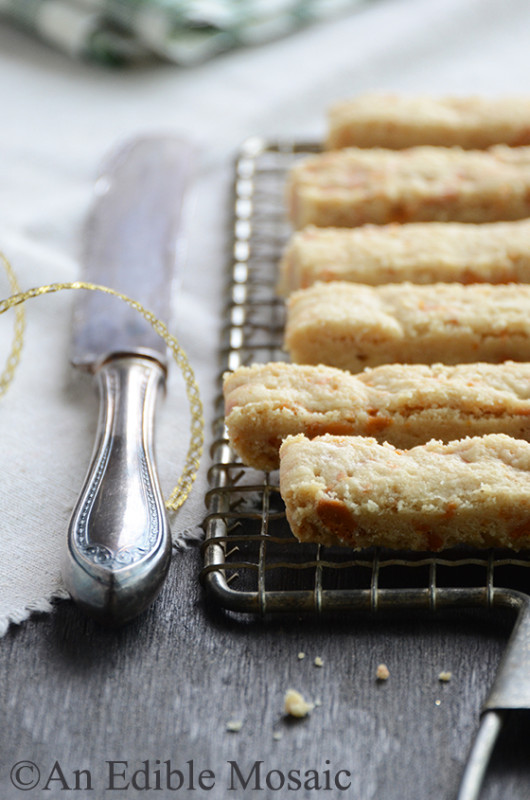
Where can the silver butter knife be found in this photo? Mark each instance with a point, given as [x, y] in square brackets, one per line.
[119, 542]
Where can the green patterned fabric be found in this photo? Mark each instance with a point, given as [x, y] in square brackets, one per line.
[182, 31]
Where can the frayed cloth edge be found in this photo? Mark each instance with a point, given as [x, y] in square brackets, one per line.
[182, 539]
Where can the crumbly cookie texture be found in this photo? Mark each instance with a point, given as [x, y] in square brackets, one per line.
[419, 252]
[403, 404]
[353, 491]
[350, 187]
[398, 121]
[295, 705]
[351, 325]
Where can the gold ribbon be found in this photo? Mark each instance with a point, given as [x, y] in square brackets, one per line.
[18, 338]
[16, 300]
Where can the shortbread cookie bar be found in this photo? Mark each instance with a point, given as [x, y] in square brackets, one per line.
[352, 326]
[398, 121]
[353, 491]
[421, 252]
[405, 405]
[350, 187]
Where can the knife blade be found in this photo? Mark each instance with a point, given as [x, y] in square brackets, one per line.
[119, 544]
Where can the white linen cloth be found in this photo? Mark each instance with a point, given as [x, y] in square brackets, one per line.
[60, 118]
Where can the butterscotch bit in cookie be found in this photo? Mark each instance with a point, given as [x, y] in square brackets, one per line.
[405, 405]
[397, 121]
[420, 252]
[352, 326]
[350, 187]
[353, 491]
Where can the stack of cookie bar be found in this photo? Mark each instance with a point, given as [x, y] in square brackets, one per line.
[404, 419]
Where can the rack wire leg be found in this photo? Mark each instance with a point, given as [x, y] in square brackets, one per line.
[478, 761]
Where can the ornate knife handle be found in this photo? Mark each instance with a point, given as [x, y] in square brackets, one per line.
[119, 543]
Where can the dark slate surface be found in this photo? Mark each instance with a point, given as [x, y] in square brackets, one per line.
[75, 696]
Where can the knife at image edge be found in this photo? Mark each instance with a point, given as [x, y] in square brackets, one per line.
[119, 542]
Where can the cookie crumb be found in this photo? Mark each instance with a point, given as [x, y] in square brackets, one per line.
[318, 662]
[295, 705]
[382, 672]
[317, 703]
[234, 725]
[445, 676]
[301, 655]
[277, 736]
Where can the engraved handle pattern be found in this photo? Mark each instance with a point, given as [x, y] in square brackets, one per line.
[118, 540]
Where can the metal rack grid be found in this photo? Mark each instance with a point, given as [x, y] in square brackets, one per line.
[252, 563]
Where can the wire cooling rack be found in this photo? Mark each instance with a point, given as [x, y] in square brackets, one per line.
[252, 563]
